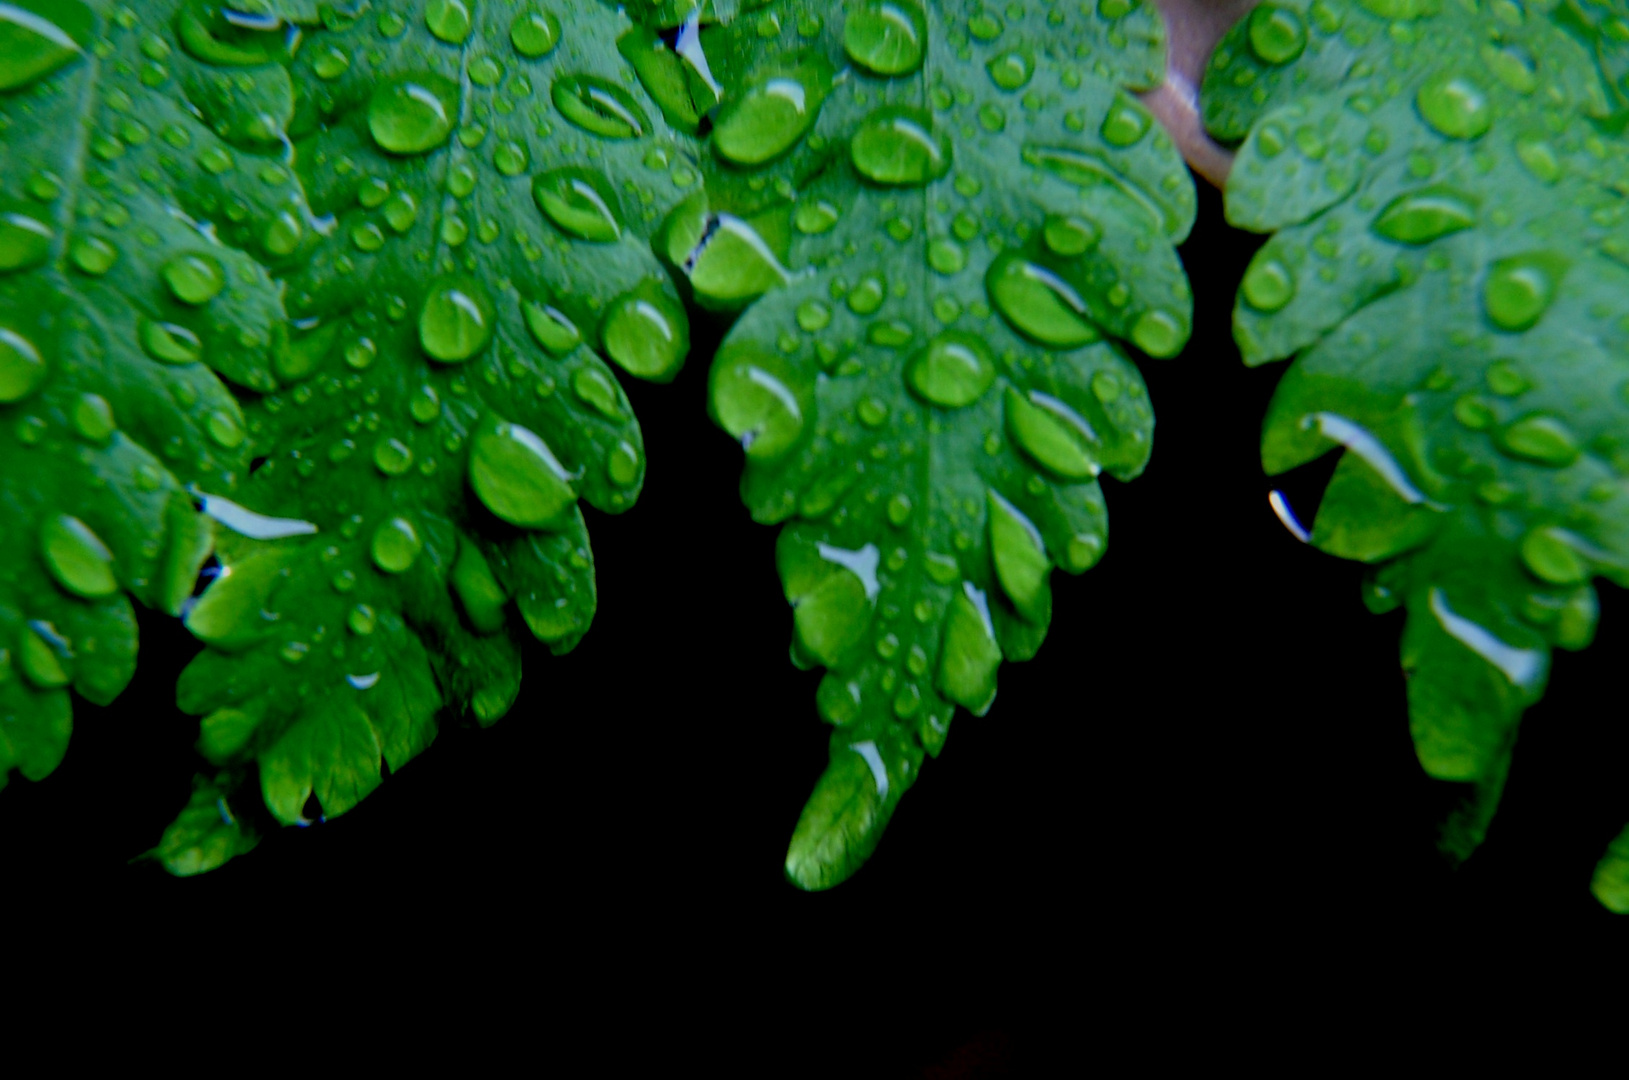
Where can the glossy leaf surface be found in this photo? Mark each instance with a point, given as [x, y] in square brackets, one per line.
[938, 219]
[1448, 267]
[136, 194]
[486, 176]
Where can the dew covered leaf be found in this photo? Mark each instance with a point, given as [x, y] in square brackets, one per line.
[486, 175]
[136, 195]
[1447, 266]
[936, 219]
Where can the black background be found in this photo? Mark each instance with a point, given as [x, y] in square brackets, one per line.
[1209, 757]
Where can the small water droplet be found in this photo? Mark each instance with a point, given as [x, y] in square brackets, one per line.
[896, 146]
[194, 278]
[885, 37]
[1520, 288]
[1543, 439]
[622, 464]
[1455, 106]
[396, 545]
[535, 33]
[448, 20]
[815, 216]
[1277, 35]
[77, 558]
[456, 321]
[1268, 284]
[1069, 236]
[953, 370]
[169, 343]
[22, 368]
[1126, 123]
[412, 114]
[1011, 70]
[1426, 215]
[1159, 333]
[93, 418]
[392, 456]
[361, 620]
[25, 241]
[93, 255]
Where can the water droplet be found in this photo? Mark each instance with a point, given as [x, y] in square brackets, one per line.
[93, 418]
[896, 145]
[754, 396]
[412, 114]
[1507, 380]
[45, 656]
[510, 158]
[331, 63]
[194, 278]
[93, 255]
[1038, 303]
[1011, 70]
[392, 456]
[1070, 236]
[770, 114]
[367, 236]
[535, 33]
[32, 46]
[456, 320]
[1519, 289]
[1426, 215]
[813, 316]
[1539, 158]
[1159, 333]
[1551, 556]
[1126, 123]
[954, 370]
[597, 390]
[517, 476]
[946, 256]
[361, 620]
[885, 37]
[1455, 106]
[551, 328]
[22, 369]
[1277, 35]
[969, 655]
[599, 106]
[579, 202]
[400, 211]
[1542, 439]
[448, 20]
[622, 464]
[1020, 560]
[25, 241]
[224, 430]
[735, 265]
[169, 343]
[281, 235]
[867, 296]
[1513, 66]
[899, 512]
[1268, 284]
[396, 545]
[1053, 435]
[815, 216]
[645, 331]
[77, 558]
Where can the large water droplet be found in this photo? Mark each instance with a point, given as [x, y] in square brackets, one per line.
[1551, 556]
[886, 36]
[225, 37]
[93, 255]
[517, 476]
[1038, 303]
[22, 368]
[645, 331]
[1542, 439]
[456, 320]
[952, 371]
[1277, 35]
[969, 656]
[599, 106]
[32, 45]
[753, 395]
[77, 558]
[169, 343]
[25, 241]
[1052, 434]
[896, 145]
[1020, 560]
[551, 328]
[483, 598]
[579, 202]
[412, 114]
[46, 656]
[1455, 106]
[1422, 216]
[1519, 289]
[735, 265]
[535, 33]
[396, 545]
[770, 114]
[448, 20]
[194, 278]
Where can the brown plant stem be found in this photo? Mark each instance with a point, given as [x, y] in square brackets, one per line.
[1192, 28]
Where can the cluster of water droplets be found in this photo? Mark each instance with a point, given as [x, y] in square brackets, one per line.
[1449, 263]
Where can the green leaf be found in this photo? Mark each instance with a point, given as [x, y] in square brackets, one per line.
[1448, 267]
[948, 216]
[137, 188]
[487, 176]
[208, 833]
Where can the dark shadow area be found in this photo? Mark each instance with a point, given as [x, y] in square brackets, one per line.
[1209, 757]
